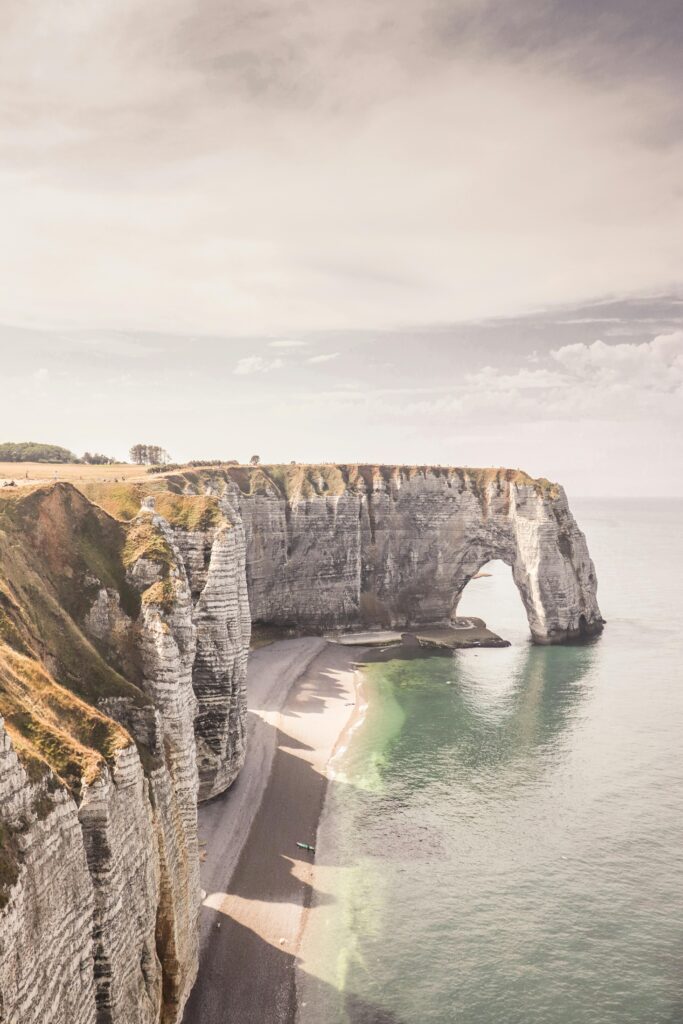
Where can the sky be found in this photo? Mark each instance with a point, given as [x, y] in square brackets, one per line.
[433, 232]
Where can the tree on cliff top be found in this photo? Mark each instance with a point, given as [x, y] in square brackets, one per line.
[30, 451]
[97, 459]
[149, 455]
[254, 460]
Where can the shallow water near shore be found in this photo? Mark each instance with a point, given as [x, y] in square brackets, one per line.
[502, 839]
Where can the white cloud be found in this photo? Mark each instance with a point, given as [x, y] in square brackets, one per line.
[286, 343]
[324, 358]
[655, 365]
[490, 378]
[256, 364]
[590, 381]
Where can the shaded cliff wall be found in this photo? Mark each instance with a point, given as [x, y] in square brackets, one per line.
[46, 900]
[215, 563]
[207, 533]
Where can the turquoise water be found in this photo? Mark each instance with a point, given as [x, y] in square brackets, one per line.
[503, 841]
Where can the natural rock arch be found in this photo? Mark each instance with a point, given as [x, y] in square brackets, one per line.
[396, 546]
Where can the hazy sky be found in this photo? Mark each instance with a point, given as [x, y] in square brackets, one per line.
[416, 231]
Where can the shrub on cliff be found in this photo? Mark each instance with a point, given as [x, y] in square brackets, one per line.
[97, 459]
[193, 463]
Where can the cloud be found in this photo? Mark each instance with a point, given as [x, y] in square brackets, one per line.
[592, 320]
[324, 358]
[256, 364]
[286, 343]
[104, 343]
[655, 365]
[596, 380]
[593, 381]
[359, 166]
[490, 378]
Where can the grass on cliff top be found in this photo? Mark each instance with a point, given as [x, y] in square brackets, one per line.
[75, 473]
[185, 511]
[293, 482]
[189, 511]
[73, 543]
[50, 725]
[163, 594]
[299, 481]
[56, 551]
[145, 540]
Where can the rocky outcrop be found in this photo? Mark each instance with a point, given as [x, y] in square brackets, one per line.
[201, 520]
[215, 563]
[46, 901]
[101, 624]
[117, 829]
[396, 546]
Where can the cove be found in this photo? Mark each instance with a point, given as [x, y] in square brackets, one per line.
[501, 840]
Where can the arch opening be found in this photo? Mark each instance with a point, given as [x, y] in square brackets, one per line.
[492, 595]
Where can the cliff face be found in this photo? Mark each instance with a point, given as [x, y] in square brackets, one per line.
[124, 631]
[102, 625]
[215, 562]
[46, 901]
[396, 546]
[202, 523]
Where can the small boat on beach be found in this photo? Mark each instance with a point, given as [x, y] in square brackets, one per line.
[306, 846]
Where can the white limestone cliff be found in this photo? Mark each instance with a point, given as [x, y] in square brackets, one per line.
[397, 546]
[113, 924]
[47, 906]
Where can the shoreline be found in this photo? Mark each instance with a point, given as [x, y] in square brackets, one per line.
[355, 721]
[304, 703]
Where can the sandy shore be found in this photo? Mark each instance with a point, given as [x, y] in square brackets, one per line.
[258, 883]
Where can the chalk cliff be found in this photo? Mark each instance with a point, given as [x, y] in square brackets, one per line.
[393, 545]
[125, 618]
[102, 627]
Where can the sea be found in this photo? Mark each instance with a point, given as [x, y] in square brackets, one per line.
[502, 840]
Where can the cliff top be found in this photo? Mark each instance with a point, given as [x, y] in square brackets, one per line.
[180, 494]
[120, 489]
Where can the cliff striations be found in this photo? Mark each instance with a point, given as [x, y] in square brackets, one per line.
[395, 546]
[125, 618]
[103, 625]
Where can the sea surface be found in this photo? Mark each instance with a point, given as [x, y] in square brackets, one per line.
[503, 838]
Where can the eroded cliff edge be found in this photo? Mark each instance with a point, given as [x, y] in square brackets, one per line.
[104, 626]
[124, 631]
[396, 545]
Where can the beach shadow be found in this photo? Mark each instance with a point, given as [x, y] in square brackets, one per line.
[289, 814]
[246, 980]
[310, 702]
[291, 741]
